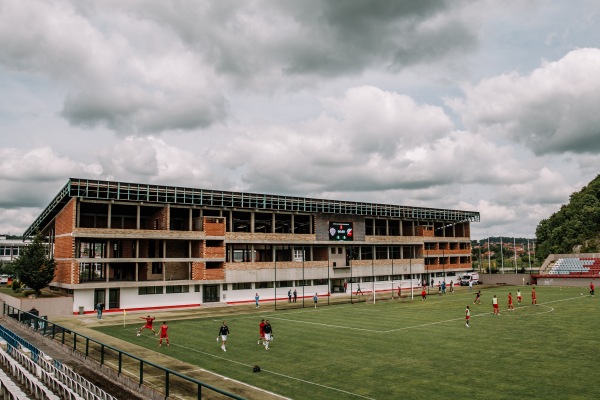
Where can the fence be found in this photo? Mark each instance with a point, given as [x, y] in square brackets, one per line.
[171, 383]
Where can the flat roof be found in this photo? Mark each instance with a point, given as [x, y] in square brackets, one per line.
[148, 193]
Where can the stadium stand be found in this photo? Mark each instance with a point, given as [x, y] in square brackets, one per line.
[576, 267]
[40, 375]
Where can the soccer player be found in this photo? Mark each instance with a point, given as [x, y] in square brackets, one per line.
[510, 302]
[423, 294]
[533, 297]
[477, 298]
[256, 298]
[495, 305]
[223, 332]
[592, 289]
[147, 325]
[261, 328]
[268, 331]
[315, 299]
[467, 316]
[519, 297]
[163, 334]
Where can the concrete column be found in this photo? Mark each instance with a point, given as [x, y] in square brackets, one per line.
[109, 222]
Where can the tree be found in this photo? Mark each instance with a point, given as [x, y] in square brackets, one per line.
[33, 267]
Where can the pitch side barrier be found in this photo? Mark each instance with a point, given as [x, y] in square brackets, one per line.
[162, 379]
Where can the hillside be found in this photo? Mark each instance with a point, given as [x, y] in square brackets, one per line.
[575, 228]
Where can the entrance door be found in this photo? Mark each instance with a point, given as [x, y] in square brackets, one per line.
[114, 298]
[210, 293]
[99, 297]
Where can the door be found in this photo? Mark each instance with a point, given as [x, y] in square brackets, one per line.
[99, 297]
[114, 298]
[210, 293]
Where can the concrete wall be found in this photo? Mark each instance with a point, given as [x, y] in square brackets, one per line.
[505, 279]
[47, 306]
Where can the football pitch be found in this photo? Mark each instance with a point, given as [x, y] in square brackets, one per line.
[403, 348]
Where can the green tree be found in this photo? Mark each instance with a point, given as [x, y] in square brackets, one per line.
[33, 267]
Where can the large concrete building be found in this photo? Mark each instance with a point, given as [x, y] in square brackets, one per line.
[141, 246]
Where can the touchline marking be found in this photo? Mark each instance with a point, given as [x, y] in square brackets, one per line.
[274, 373]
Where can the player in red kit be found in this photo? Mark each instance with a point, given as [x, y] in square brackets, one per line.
[148, 324]
[533, 297]
[163, 334]
[510, 302]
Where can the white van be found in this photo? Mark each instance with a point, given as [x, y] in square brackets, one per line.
[469, 277]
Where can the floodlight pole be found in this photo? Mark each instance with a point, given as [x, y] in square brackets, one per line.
[515, 250]
[411, 278]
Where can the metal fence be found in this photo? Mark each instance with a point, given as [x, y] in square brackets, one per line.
[163, 380]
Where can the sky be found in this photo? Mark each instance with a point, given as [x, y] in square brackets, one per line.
[488, 106]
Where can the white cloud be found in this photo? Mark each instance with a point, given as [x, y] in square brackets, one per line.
[551, 110]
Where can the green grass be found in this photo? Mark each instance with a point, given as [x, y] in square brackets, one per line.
[394, 349]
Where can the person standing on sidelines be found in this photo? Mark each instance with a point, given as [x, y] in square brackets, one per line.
[163, 334]
[510, 302]
[591, 289]
[261, 328]
[451, 286]
[495, 305]
[470, 285]
[99, 308]
[533, 296]
[148, 325]
[295, 295]
[223, 333]
[467, 316]
[519, 297]
[256, 299]
[315, 299]
[268, 331]
[289, 295]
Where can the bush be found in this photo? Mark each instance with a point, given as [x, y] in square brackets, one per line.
[16, 285]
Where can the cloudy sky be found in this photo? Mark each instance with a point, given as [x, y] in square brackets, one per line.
[488, 106]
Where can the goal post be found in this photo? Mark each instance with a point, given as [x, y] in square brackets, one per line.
[389, 290]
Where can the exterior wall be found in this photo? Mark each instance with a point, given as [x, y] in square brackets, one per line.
[131, 300]
[64, 245]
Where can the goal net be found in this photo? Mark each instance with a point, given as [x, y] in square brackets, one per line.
[388, 290]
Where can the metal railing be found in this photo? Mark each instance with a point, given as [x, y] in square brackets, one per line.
[123, 362]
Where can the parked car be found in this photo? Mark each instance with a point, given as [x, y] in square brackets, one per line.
[469, 277]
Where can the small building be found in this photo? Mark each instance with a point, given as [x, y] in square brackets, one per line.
[11, 248]
[141, 246]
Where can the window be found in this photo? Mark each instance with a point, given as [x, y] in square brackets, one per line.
[178, 289]
[319, 282]
[156, 268]
[150, 290]
[305, 282]
[196, 288]
[382, 278]
[367, 279]
[299, 255]
[224, 286]
[264, 285]
[241, 286]
[285, 284]
[353, 280]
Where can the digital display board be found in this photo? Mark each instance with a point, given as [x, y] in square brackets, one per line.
[342, 231]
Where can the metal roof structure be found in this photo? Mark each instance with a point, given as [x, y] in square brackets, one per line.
[148, 193]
